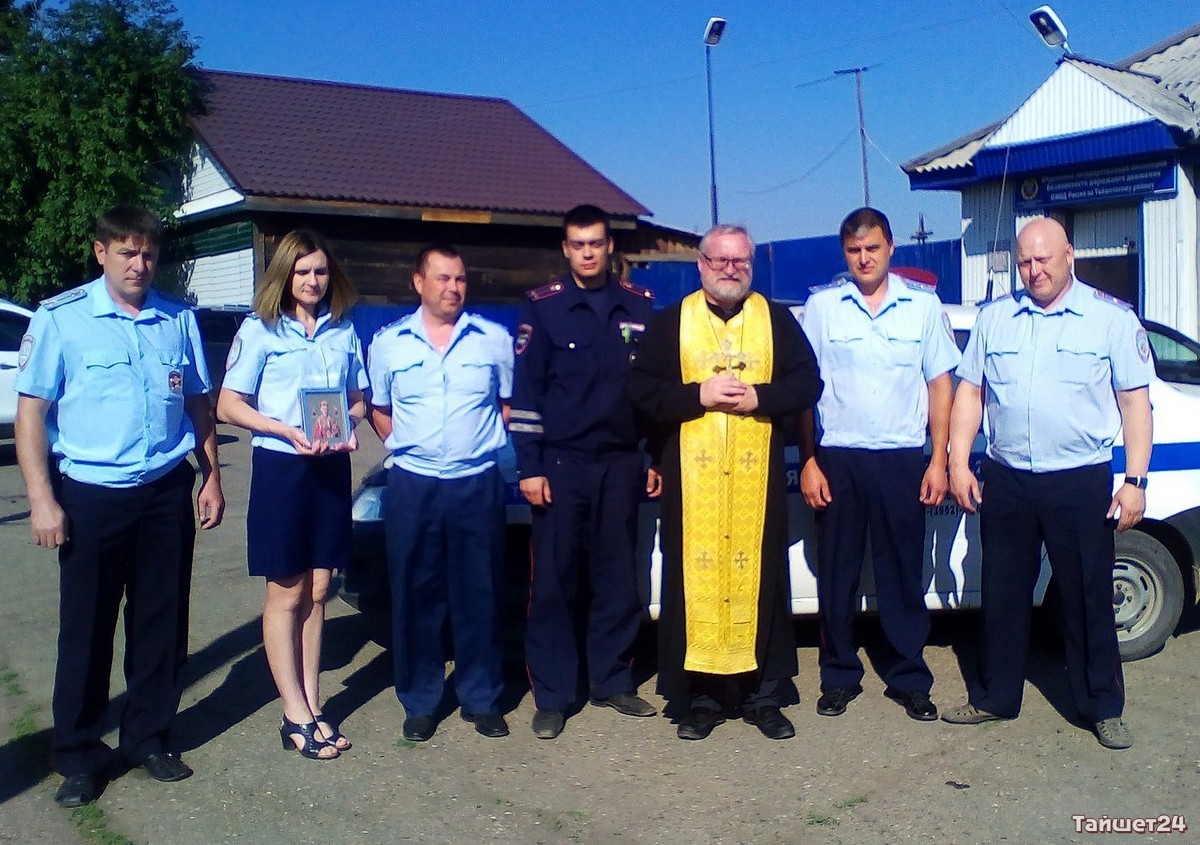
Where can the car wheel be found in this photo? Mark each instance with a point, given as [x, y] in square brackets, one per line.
[1147, 594]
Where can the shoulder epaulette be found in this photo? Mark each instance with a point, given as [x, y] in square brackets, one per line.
[836, 283]
[982, 305]
[393, 324]
[1115, 300]
[634, 289]
[546, 291]
[913, 284]
[64, 297]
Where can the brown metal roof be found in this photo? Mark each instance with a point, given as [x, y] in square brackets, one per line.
[280, 137]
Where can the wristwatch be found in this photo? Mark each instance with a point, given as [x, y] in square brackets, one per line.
[1138, 481]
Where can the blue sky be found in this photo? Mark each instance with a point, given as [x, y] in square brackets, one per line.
[622, 84]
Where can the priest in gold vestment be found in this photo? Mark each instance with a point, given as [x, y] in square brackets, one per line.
[721, 374]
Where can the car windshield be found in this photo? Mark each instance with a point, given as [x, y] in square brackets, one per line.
[1176, 356]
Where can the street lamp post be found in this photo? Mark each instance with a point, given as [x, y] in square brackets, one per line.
[862, 126]
[712, 37]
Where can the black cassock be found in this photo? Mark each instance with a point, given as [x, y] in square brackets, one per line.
[657, 389]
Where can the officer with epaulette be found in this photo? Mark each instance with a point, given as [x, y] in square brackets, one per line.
[885, 350]
[580, 468]
[1061, 369]
[113, 385]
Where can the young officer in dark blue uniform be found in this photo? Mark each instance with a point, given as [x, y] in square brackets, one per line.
[580, 468]
[113, 385]
[1061, 369]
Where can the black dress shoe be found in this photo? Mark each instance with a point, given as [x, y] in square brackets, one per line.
[166, 767]
[916, 704]
[78, 790]
[491, 725]
[419, 728]
[833, 701]
[627, 704]
[699, 723]
[547, 724]
[772, 723]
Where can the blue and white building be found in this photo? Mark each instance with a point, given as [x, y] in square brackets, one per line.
[1110, 150]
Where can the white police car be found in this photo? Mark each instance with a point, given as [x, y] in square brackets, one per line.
[14, 321]
[1155, 572]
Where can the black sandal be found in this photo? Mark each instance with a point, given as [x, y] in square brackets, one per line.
[333, 734]
[312, 747]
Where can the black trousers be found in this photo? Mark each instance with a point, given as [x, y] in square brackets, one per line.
[876, 493]
[1066, 510]
[134, 543]
[589, 530]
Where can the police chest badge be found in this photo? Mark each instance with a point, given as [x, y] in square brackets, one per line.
[25, 351]
[524, 333]
[631, 333]
[175, 381]
[1143, 345]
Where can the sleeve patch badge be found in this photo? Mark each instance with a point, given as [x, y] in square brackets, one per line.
[235, 351]
[25, 351]
[1143, 345]
[524, 333]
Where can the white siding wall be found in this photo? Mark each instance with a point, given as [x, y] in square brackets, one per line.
[1105, 232]
[208, 187]
[220, 279]
[1169, 233]
[1068, 103]
[980, 204]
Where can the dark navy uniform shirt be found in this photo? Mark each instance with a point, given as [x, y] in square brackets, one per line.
[574, 348]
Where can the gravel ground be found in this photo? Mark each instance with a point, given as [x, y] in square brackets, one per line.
[872, 775]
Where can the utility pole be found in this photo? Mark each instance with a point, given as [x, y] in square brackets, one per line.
[862, 126]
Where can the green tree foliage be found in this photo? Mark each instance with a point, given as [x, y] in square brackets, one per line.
[94, 96]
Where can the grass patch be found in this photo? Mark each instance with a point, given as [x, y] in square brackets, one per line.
[25, 725]
[851, 803]
[93, 827]
[405, 743]
[821, 819]
[10, 683]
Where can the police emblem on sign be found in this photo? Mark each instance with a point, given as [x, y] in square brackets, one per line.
[1143, 345]
[25, 351]
[524, 333]
[175, 381]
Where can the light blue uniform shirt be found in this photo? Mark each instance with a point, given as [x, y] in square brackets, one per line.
[1049, 376]
[117, 383]
[273, 364]
[877, 367]
[446, 418]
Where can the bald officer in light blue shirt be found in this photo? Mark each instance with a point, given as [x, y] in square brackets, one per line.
[113, 386]
[1060, 367]
[440, 384]
[886, 350]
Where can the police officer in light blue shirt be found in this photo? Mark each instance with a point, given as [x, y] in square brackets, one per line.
[885, 350]
[440, 384]
[1060, 367]
[113, 387]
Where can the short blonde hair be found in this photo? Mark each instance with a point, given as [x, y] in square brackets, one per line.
[274, 296]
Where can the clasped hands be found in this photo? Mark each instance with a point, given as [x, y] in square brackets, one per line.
[723, 392]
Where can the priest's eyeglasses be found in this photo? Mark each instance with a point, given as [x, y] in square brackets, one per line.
[741, 265]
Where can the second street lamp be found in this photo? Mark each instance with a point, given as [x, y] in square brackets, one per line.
[712, 37]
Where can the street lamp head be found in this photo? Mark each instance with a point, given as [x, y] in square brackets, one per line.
[714, 31]
[1050, 27]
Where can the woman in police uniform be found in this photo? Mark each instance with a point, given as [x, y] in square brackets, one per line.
[298, 519]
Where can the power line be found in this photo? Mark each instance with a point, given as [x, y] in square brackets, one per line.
[806, 173]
